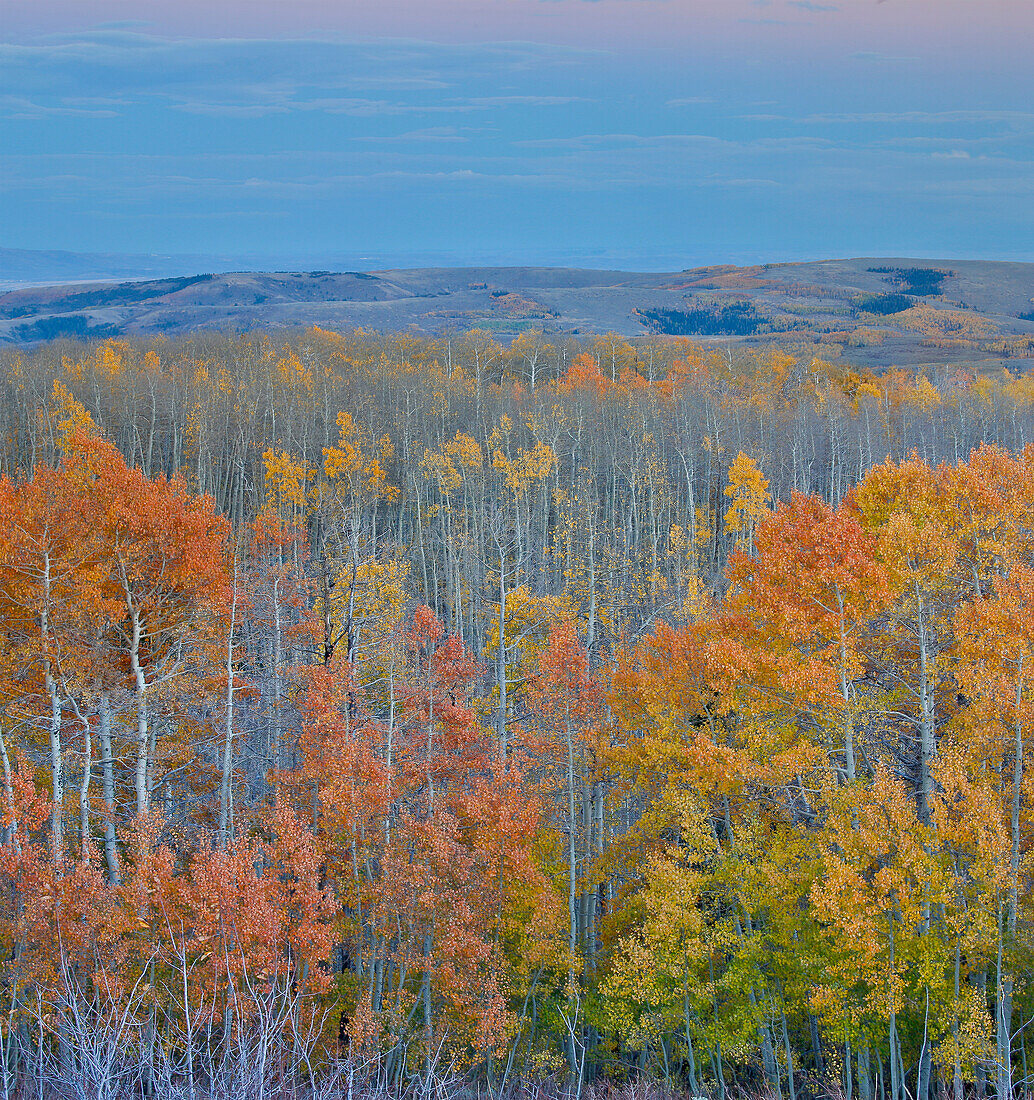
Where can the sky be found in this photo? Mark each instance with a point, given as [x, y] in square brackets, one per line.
[647, 134]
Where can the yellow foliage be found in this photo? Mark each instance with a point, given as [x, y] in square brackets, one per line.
[109, 359]
[439, 468]
[442, 468]
[293, 375]
[69, 416]
[466, 449]
[368, 598]
[353, 464]
[527, 467]
[528, 619]
[750, 497]
[286, 480]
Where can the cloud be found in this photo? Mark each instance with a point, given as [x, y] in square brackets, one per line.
[396, 137]
[431, 134]
[249, 78]
[365, 108]
[622, 140]
[23, 108]
[123, 25]
[870, 55]
[984, 187]
[926, 118]
[808, 5]
[525, 100]
[890, 118]
[397, 82]
[422, 177]
[356, 108]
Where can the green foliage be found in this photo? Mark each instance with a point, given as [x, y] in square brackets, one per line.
[921, 281]
[735, 319]
[883, 304]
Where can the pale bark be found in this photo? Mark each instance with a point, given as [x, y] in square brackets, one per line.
[108, 788]
[143, 731]
[84, 790]
[225, 785]
[1005, 978]
[500, 662]
[11, 830]
[927, 728]
[572, 900]
[54, 725]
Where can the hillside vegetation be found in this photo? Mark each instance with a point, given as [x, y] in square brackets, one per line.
[569, 710]
[867, 312]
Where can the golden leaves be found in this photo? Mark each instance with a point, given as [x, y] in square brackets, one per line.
[69, 417]
[526, 468]
[749, 493]
[287, 481]
[353, 464]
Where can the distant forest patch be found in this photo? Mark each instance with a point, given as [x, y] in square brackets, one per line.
[1028, 316]
[921, 281]
[883, 304]
[74, 326]
[736, 319]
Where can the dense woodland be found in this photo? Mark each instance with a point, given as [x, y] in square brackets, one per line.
[574, 711]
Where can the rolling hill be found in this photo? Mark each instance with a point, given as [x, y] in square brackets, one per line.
[872, 310]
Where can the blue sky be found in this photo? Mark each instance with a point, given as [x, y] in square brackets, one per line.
[641, 133]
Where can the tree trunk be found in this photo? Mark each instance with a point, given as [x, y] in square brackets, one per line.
[108, 789]
[865, 1089]
[1005, 979]
[143, 732]
[892, 1030]
[225, 818]
[84, 792]
[572, 904]
[54, 727]
[927, 729]
[500, 662]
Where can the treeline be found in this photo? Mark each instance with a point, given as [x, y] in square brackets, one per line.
[577, 710]
[639, 440]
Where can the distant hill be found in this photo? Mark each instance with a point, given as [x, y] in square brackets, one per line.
[875, 311]
[24, 267]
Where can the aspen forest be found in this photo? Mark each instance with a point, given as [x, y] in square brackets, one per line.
[440, 717]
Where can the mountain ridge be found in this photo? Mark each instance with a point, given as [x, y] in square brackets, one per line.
[881, 308]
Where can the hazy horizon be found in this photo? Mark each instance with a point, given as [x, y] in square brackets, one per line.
[46, 267]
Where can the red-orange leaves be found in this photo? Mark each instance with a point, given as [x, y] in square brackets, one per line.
[806, 597]
[564, 690]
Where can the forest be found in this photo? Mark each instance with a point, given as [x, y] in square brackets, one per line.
[433, 714]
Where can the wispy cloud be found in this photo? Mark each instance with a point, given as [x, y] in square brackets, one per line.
[873, 55]
[434, 135]
[909, 118]
[23, 108]
[525, 100]
[251, 77]
[356, 108]
[927, 118]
